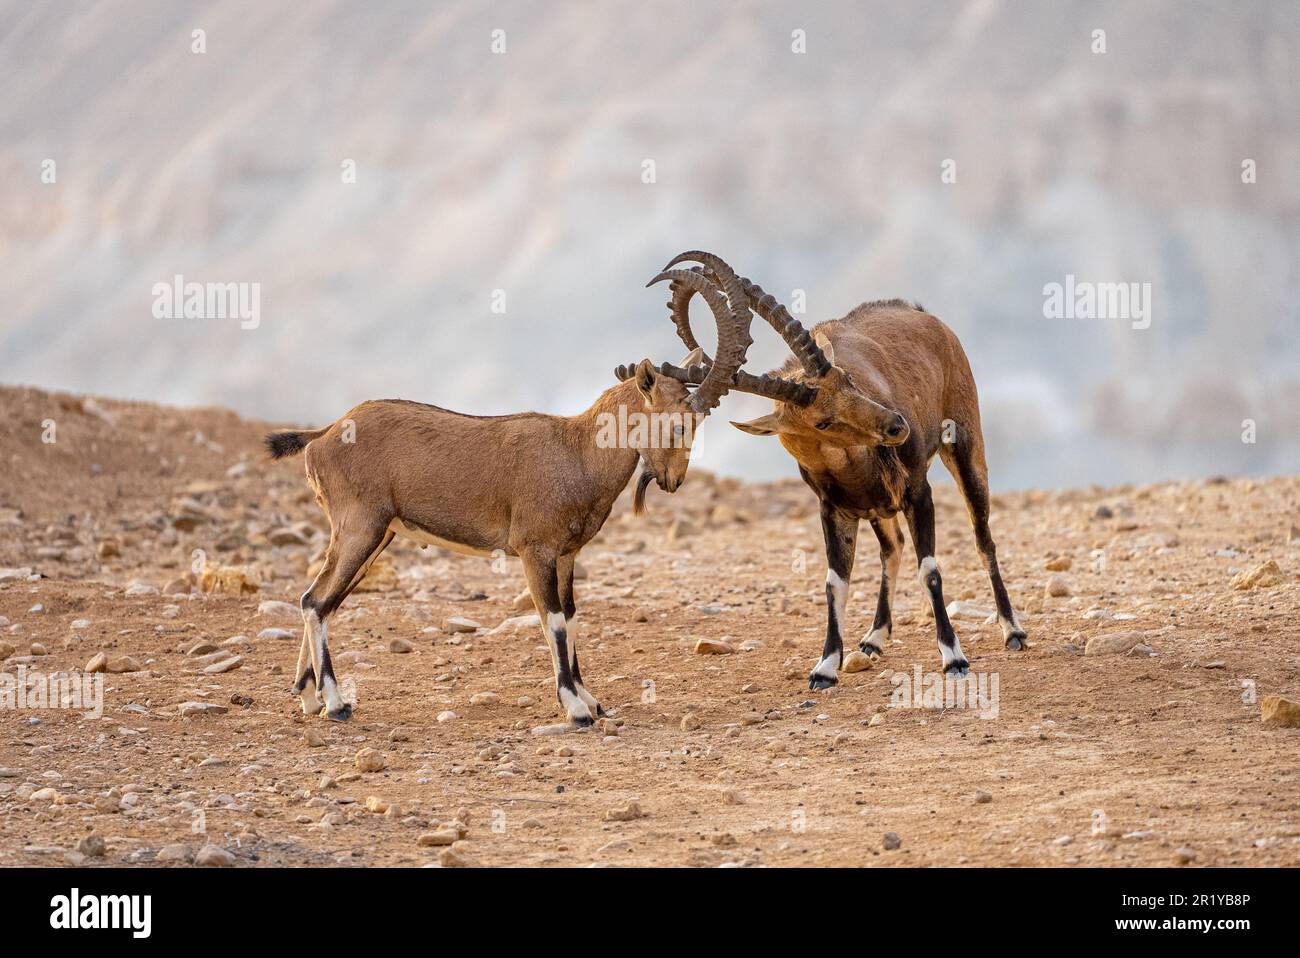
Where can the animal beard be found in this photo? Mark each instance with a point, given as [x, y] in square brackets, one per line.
[642, 484]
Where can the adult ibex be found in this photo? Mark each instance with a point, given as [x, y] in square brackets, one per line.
[863, 406]
[530, 485]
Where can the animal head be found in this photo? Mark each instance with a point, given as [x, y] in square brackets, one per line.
[837, 413]
[665, 429]
[675, 411]
[819, 401]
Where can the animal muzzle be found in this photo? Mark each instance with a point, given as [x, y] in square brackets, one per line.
[895, 430]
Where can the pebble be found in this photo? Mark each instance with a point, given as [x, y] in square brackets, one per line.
[856, 661]
[1112, 643]
[627, 813]
[458, 623]
[122, 663]
[483, 698]
[1059, 564]
[225, 665]
[175, 853]
[877, 719]
[370, 760]
[277, 609]
[640, 615]
[1261, 577]
[453, 858]
[92, 846]
[713, 647]
[400, 646]
[438, 838]
[1184, 855]
[446, 716]
[275, 634]
[214, 856]
[892, 841]
[690, 722]
[983, 797]
[1058, 586]
[1275, 710]
[188, 709]
[312, 738]
[98, 662]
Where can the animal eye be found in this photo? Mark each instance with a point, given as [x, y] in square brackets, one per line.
[825, 424]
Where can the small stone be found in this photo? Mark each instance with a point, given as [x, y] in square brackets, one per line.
[279, 610]
[1112, 643]
[1260, 577]
[525, 701]
[213, 856]
[108, 549]
[1057, 586]
[454, 858]
[275, 634]
[370, 760]
[523, 601]
[376, 804]
[446, 716]
[1059, 564]
[225, 665]
[856, 661]
[98, 662]
[983, 797]
[690, 722]
[399, 734]
[713, 647]
[312, 738]
[877, 719]
[175, 853]
[189, 709]
[47, 794]
[122, 663]
[92, 846]
[458, 623]
[1183, 855]
[627, 813]
[892, 841]
[483, 698]
[1275, 710]
[439, 838]
[399, 646]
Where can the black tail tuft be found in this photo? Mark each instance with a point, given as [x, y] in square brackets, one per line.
[282, 444]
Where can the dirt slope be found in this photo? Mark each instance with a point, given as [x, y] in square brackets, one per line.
[1095, 760]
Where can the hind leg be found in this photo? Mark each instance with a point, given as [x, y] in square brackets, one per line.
[965, 460]
[920, 520]
[305, 684]
[544, 584]
[891, 554]
[840, 532]
[354, 544]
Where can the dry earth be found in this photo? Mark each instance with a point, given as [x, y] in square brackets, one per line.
[1121, 759]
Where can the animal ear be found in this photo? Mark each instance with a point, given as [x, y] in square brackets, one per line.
[768, 425]
[645, 379]
[694, 357]
[824, 343]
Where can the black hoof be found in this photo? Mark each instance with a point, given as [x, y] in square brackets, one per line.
[957, 669]
[342, 714]
[817, 682]
[585, 722]
[600, 711]
[1017, 642]
[869, 649]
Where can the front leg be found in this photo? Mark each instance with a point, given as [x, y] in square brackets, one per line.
[891, 554]
[564, 569]
[543, 583]
[920, 519]
[841, 534]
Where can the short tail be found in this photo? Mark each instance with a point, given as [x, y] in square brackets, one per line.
[282, 444]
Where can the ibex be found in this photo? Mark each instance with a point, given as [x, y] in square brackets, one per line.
[530, 485]
[863, 405]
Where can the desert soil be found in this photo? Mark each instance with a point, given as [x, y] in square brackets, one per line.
[1139, 758]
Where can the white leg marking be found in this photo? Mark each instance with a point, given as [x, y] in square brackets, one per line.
[838, 588]
[572, 701]
[928, 565]
[328, 688]
[877, 639]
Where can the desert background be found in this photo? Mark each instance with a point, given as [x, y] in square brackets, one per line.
[1147, 499]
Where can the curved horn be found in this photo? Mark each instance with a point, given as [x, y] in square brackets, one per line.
[773, 387]
[801, 343]
[733, 329]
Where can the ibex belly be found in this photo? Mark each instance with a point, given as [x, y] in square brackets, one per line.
[426, 538]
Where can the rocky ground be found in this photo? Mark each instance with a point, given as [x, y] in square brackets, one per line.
[1130, 733]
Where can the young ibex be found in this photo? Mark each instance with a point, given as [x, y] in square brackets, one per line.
[863, 406]
[530, 485]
